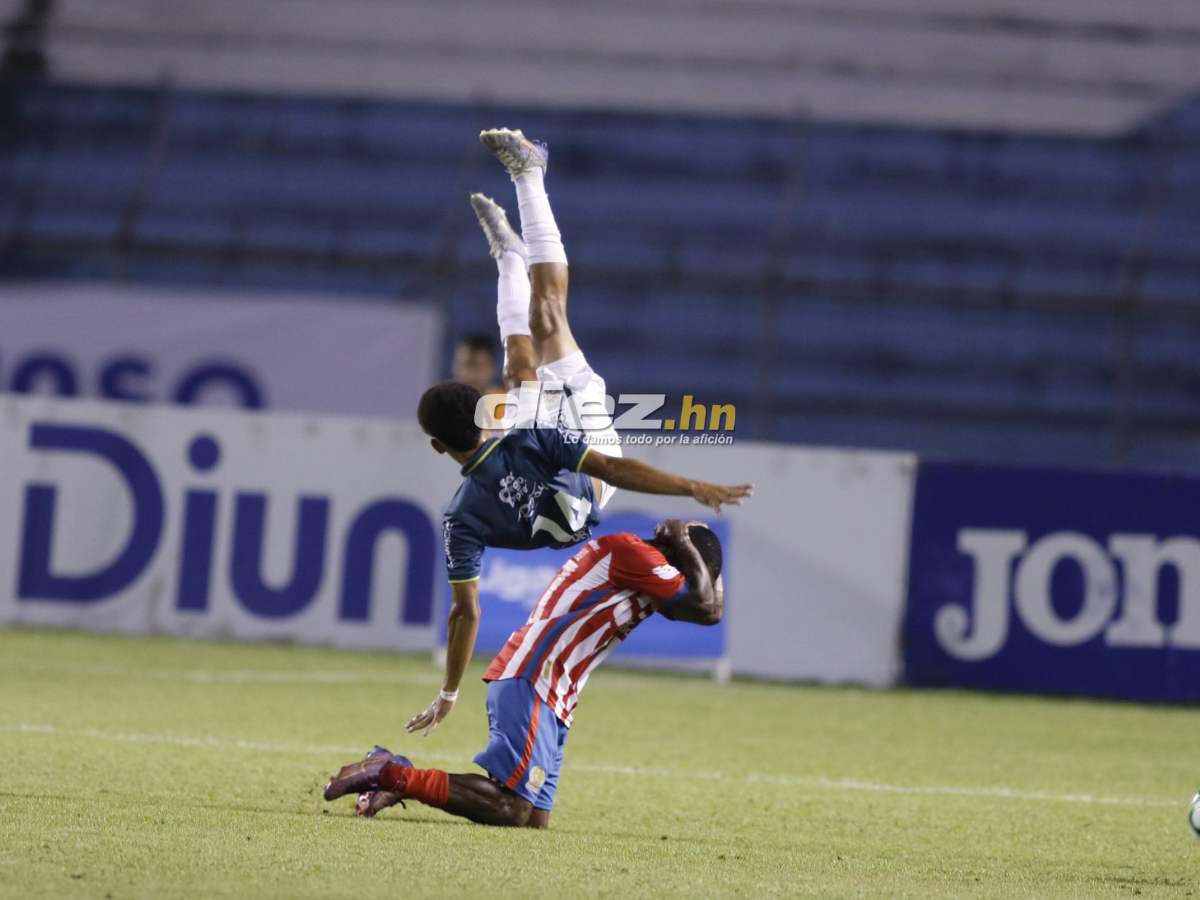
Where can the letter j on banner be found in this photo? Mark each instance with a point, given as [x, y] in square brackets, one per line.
[1055, 582]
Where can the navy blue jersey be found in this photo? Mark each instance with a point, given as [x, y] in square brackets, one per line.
[521, 492]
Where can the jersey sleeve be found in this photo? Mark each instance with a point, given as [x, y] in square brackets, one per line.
[464, 551]
[640, 567]
[563, 450]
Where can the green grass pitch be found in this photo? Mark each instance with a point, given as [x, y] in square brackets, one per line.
[157, 768]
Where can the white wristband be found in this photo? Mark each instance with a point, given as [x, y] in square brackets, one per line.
[448, 696]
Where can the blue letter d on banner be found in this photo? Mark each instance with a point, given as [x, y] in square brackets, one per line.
[36, 581]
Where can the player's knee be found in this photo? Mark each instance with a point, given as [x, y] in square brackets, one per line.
[520, 363]
[539, 818]
[515, 811]
[518, 371]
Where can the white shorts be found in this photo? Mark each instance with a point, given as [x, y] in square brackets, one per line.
[588, 393]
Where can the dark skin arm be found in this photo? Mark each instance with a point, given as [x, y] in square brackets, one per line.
[461, 628]
[704, 602]
[633, 475]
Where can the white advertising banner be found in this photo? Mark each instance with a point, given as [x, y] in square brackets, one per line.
[292, 353]
[817, 558]
[216, 523]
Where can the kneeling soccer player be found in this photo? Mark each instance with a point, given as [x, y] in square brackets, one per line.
[597, 598]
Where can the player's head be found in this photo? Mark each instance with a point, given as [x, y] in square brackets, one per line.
[447, 414]
[705, 540]
[475, 361]
[706, 543]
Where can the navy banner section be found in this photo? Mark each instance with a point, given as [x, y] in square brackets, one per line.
[1055, 581]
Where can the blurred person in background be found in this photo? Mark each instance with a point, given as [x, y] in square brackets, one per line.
[475, 364]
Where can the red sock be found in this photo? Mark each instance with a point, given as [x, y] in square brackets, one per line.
[428, 786]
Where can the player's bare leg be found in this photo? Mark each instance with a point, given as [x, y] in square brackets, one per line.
[520, 361]
[384, 779]
[480, 799]
[526, 162]
[472, 797]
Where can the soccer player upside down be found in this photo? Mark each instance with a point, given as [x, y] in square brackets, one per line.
[543, 483]
[597, 598]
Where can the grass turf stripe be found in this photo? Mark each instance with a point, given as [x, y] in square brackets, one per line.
[776, 780]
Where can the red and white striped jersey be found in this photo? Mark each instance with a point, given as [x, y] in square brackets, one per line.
[602, 593]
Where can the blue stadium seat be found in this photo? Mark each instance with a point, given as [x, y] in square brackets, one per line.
[941, 291]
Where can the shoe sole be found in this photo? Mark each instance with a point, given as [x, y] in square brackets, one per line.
[500, 141]
[490, 214]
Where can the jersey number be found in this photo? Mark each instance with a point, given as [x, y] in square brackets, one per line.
[575, 510]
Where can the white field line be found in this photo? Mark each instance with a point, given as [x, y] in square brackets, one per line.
[817, 783]
[607, 679]
[248, 676]
[610, 678]
[207, 676]
[137, 737]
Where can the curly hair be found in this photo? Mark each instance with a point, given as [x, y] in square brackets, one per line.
[709, 547]
[447, 412]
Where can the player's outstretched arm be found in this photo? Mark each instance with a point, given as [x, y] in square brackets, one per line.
[704, 602]
[461, 628]
[632, 475]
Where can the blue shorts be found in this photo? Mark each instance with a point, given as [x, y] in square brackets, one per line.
[525, 744]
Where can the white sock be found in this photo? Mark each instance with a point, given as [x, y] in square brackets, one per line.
[538, 228]
[512, 295]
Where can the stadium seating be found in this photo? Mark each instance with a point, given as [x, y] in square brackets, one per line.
[956, 294]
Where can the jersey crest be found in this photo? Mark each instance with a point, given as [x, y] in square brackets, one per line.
[512, 489]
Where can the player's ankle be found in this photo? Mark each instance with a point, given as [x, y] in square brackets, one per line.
[394, 777]
[532, 179]
[428, 786]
